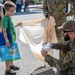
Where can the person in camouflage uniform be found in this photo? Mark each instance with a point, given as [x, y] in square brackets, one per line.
[57, 9]
[66, 65]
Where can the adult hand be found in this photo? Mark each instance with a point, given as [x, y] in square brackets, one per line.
[44, 53]
[49, 14]
[65, 14]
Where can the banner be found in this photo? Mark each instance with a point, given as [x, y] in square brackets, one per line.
[7, 54]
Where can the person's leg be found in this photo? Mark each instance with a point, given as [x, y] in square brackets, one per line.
[17, 8]
[27, 8]
[20, 7]
[11, 63]
[24, 7]
[8, 70]
[7, 66]
[13, 67]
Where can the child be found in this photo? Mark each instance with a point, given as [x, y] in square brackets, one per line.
[9, 34]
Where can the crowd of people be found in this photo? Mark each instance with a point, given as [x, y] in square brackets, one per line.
[19, 4]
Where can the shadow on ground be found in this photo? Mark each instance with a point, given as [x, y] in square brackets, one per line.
[44, 71]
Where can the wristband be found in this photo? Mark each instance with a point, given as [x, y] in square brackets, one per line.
[7, 40]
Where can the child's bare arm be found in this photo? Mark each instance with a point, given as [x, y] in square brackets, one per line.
[6, 38]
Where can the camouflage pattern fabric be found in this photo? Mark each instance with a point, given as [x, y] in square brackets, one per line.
[57, 8]
[66, 64]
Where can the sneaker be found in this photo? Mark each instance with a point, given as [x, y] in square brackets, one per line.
[10, 72]
[14, 68]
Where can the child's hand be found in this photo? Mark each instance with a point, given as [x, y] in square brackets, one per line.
[20, 23]
[8, 44]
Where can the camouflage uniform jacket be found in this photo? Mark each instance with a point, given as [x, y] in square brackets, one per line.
[57, 8]
[66, 64]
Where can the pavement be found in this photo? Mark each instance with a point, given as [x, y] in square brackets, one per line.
[29, 64]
